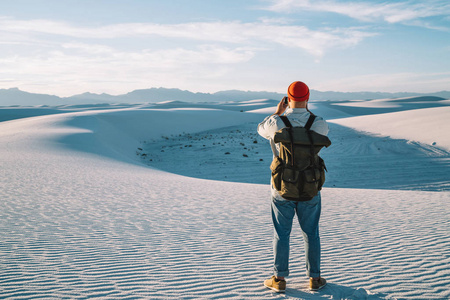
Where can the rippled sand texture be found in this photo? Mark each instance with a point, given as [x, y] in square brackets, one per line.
[82, 217]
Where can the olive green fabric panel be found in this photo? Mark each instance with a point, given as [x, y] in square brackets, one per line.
[300, 136]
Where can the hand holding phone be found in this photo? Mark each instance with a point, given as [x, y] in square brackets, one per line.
[282, 106]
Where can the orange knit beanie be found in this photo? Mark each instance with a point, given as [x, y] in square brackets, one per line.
[298, 91]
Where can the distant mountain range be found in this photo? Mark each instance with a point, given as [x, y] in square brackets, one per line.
[14, 96]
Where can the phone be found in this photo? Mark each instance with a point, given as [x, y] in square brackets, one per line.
[285, 100]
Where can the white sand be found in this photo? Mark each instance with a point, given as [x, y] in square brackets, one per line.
[429, 125]
[83, 216]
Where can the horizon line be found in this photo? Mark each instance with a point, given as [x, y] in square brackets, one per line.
[212, 93]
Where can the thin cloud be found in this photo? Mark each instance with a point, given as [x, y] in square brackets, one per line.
[73, 63]
[80, 56]
[389, 82]
[398, 12]
[256, 34]
[67, 56]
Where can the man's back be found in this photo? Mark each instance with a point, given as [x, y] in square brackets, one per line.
[297, 117]
[283, 210]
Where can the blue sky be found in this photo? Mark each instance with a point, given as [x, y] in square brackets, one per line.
[66, 47]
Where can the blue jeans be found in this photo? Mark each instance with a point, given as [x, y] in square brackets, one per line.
[308, 214]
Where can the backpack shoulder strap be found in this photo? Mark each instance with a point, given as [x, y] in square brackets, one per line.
[308, 124]
[310, 121]
[291, 137]
[286, 121]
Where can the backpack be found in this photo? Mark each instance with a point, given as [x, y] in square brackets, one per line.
[298, 172]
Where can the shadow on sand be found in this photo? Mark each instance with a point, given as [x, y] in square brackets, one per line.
[332, 291]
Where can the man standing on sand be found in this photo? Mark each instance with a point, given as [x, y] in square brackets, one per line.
[283, 211]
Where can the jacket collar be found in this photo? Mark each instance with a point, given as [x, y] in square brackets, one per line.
[295, 110]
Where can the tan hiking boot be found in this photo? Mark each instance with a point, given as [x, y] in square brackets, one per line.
[276, 285]
[317, 284]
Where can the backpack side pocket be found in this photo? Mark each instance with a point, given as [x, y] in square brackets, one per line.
[276, 167]
[322, 169]
[311, 179]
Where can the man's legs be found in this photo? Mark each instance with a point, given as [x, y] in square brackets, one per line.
[308, 214]
[283, 212]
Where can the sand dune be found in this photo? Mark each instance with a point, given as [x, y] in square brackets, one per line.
[430, 126]
[84, 216]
